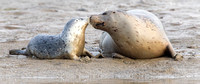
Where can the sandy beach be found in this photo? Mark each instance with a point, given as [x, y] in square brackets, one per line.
[21, 20]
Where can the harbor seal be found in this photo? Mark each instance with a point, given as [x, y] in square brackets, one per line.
[68, 44]
[134, 34]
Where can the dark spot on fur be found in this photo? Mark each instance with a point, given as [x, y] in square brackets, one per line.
[115, 30]
[128, 42]
[149, 48]
[137, 41]
[56, 43]
[64, 45]
[45, 42]
[100, 24]
[113, 12]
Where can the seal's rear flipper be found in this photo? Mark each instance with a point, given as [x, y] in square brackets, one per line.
[17, 52]
[176, 56]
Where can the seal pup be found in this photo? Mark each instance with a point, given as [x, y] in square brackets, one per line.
[68, 44]
[135, 34]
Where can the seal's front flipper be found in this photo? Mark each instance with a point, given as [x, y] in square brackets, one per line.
[176, 56]
[18, 52]
[74, 57]
[85, 59]
[87, 53]
[119, 56]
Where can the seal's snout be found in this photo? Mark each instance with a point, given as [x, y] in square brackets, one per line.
[96, 21]
[82, 21]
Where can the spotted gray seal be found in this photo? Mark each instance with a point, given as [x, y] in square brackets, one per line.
[135, 34]
[68, 44]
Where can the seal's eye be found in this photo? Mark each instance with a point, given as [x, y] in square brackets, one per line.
[76, 20]
[104, 14]
[81, 18]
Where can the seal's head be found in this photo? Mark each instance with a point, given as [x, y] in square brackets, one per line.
[80, 23]
[107, 20]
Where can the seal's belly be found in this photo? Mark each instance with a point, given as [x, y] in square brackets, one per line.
[142, 47]
[145, 41]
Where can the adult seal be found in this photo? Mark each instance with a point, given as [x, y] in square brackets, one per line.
[68, 44]
[134, 33]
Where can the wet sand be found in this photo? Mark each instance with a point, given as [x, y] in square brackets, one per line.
[21, 20]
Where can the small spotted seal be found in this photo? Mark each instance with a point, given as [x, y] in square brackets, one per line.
[135, 34]
[68, 44]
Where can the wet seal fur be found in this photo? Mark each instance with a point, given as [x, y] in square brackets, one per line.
[134, 34]
[68, 44]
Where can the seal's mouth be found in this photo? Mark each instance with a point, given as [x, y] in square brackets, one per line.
[100, 24]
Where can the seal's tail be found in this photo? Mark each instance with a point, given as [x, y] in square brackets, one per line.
[17, 52]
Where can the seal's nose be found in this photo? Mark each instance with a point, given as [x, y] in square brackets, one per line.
[90, 18]
[97, 22]
[94, 19]
[84, 19]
